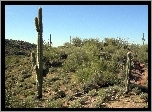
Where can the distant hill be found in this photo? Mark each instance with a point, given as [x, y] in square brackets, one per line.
[16, 47]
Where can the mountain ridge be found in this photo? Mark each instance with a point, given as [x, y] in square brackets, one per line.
[18, 47]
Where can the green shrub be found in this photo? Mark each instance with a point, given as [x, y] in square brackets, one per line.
[52, 70]
[144, 96]
[111, 92]
[55, 103]
[52, 53]
[67, 45]
[28, 103]
[94, 75]
[141, 53]
[76, 41]
[83, 75]
[75, 104]
[55, 86]
[110, 49]
[136, 90]
[102, 93]
[93, 93]
[75, 60]
[92, 50]
[8, 100]
[97, 103]
[110, 78]
[83, 100]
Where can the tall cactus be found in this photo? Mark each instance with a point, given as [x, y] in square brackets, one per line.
[143, 39]
[50, 40]
[70, 39]
[37, 64]
[128, 69]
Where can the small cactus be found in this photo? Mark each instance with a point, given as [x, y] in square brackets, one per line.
[128, 69]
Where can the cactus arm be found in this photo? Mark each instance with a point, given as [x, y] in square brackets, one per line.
[36, 24]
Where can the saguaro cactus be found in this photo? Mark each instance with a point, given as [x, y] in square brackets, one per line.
[37, 64]
[50, 40]
[70, 39]
[128, 69]
[143, 39]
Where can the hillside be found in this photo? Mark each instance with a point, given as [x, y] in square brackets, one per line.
[15, 47]
[84, 74]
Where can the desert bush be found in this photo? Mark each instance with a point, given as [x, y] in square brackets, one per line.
[69, 50]
[65, 79]
[91, 42]
[111, 92]
[83, 99]
[142, 55]
[55, 86]
[102, 93]
[28, 103]
[8, 99]
[55, 78]
[144, 96]
[82, 75]
[77, 41]
[110, 49]
[97, 73]
[48, 82]
[67, 45]
[109, 78]
[52, 53]
[97, 103]
[93, 92]
[75, 60]
[91, 49]
[52, 70]
[75, 104]
[55, 103]
[70, 97]
[15, 102]
[97, 79]
[136, 90]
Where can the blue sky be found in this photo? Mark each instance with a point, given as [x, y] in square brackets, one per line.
[83, 21]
